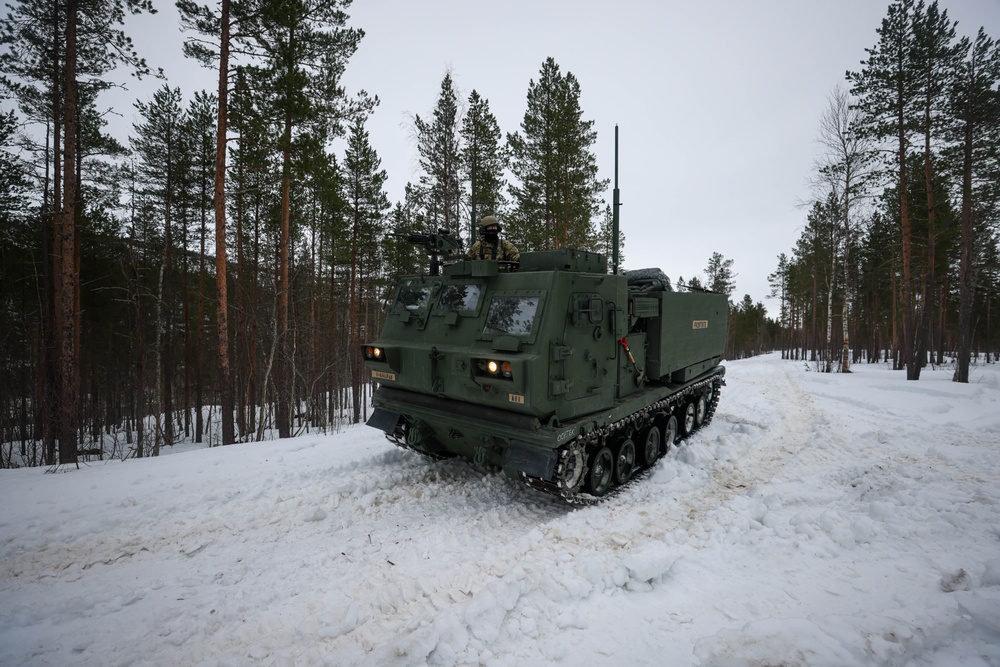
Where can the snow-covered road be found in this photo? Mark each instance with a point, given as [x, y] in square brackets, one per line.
[819, 520]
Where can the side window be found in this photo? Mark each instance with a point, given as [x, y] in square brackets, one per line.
[412, 297]
[459, 298]
[511, 315]
[587, 309]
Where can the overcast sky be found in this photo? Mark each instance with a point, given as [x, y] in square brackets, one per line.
[717, 101]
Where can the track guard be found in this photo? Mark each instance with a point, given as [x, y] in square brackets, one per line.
[383, 420]
[534, 461]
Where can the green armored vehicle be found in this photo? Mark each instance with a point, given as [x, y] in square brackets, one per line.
[563, 375]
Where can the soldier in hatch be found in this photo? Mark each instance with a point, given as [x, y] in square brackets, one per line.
[490, 245]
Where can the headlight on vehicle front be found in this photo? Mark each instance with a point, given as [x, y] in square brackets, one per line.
[495, 369]
[374, 353]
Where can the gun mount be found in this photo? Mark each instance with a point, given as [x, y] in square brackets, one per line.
[437, 246]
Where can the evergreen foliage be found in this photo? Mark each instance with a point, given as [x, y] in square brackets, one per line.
[114, 302]
[720, 274]
[906, 118]
[366, 201]
[441, 161]
[13, 175]
[558, 195]
[484, 161]
[605, 237]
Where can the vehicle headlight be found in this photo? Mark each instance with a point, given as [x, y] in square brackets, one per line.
[495, 369]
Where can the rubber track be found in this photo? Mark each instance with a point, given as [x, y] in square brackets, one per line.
[398, 438]
[579, 498]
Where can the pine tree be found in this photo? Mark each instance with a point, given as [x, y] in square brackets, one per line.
[558, 195]
[887, 91]
[404, 258]
[201, 114]
[53, 51]
[304, 46]
[206, 22]
[13, 176]
[719, 272]
[157, 142]
[484, 160]
[779, 289]
[824, 226]
[936, 59]
[605, 243]
[367, 202]
[438, 143]
[974, 107]
[254, 206]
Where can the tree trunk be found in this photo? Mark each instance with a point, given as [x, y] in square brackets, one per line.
[896, 359]
[942, 316]
[166, 315]
[241, 334]
[352, 336]
[332, 338]
[814, 333]
[69, 275]
[139, 397]
[828, 366]
[53, 272]
[199, 424]
[222, 306]
[186, 305]
[924, 328]
[966, 283]
[845, 362]
[909, 318]
[283, 373]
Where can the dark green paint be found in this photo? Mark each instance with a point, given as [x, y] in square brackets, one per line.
[559, 320]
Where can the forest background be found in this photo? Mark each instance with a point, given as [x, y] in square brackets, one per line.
[212, 280]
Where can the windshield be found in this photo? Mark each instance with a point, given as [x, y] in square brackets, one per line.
[459, 297]
[511, 315]
[413, 296]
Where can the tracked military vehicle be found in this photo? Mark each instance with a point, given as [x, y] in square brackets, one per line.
[561, 374]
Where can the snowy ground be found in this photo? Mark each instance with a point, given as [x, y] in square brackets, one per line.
[819, 520]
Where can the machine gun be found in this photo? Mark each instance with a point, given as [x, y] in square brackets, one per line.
[441, 244]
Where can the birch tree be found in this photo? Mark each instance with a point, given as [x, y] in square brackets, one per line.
[848, 156]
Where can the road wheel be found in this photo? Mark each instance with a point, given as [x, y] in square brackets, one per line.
[669, 434]
[599, 476]
[624, 461]
[651, 442]
[700, 410]
[688, 419]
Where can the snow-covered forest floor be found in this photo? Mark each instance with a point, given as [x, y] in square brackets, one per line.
[818, 520]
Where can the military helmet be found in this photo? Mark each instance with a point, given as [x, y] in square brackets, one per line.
[490, 224]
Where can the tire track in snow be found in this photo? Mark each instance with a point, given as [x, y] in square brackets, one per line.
[533, 581]
[188, 523]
